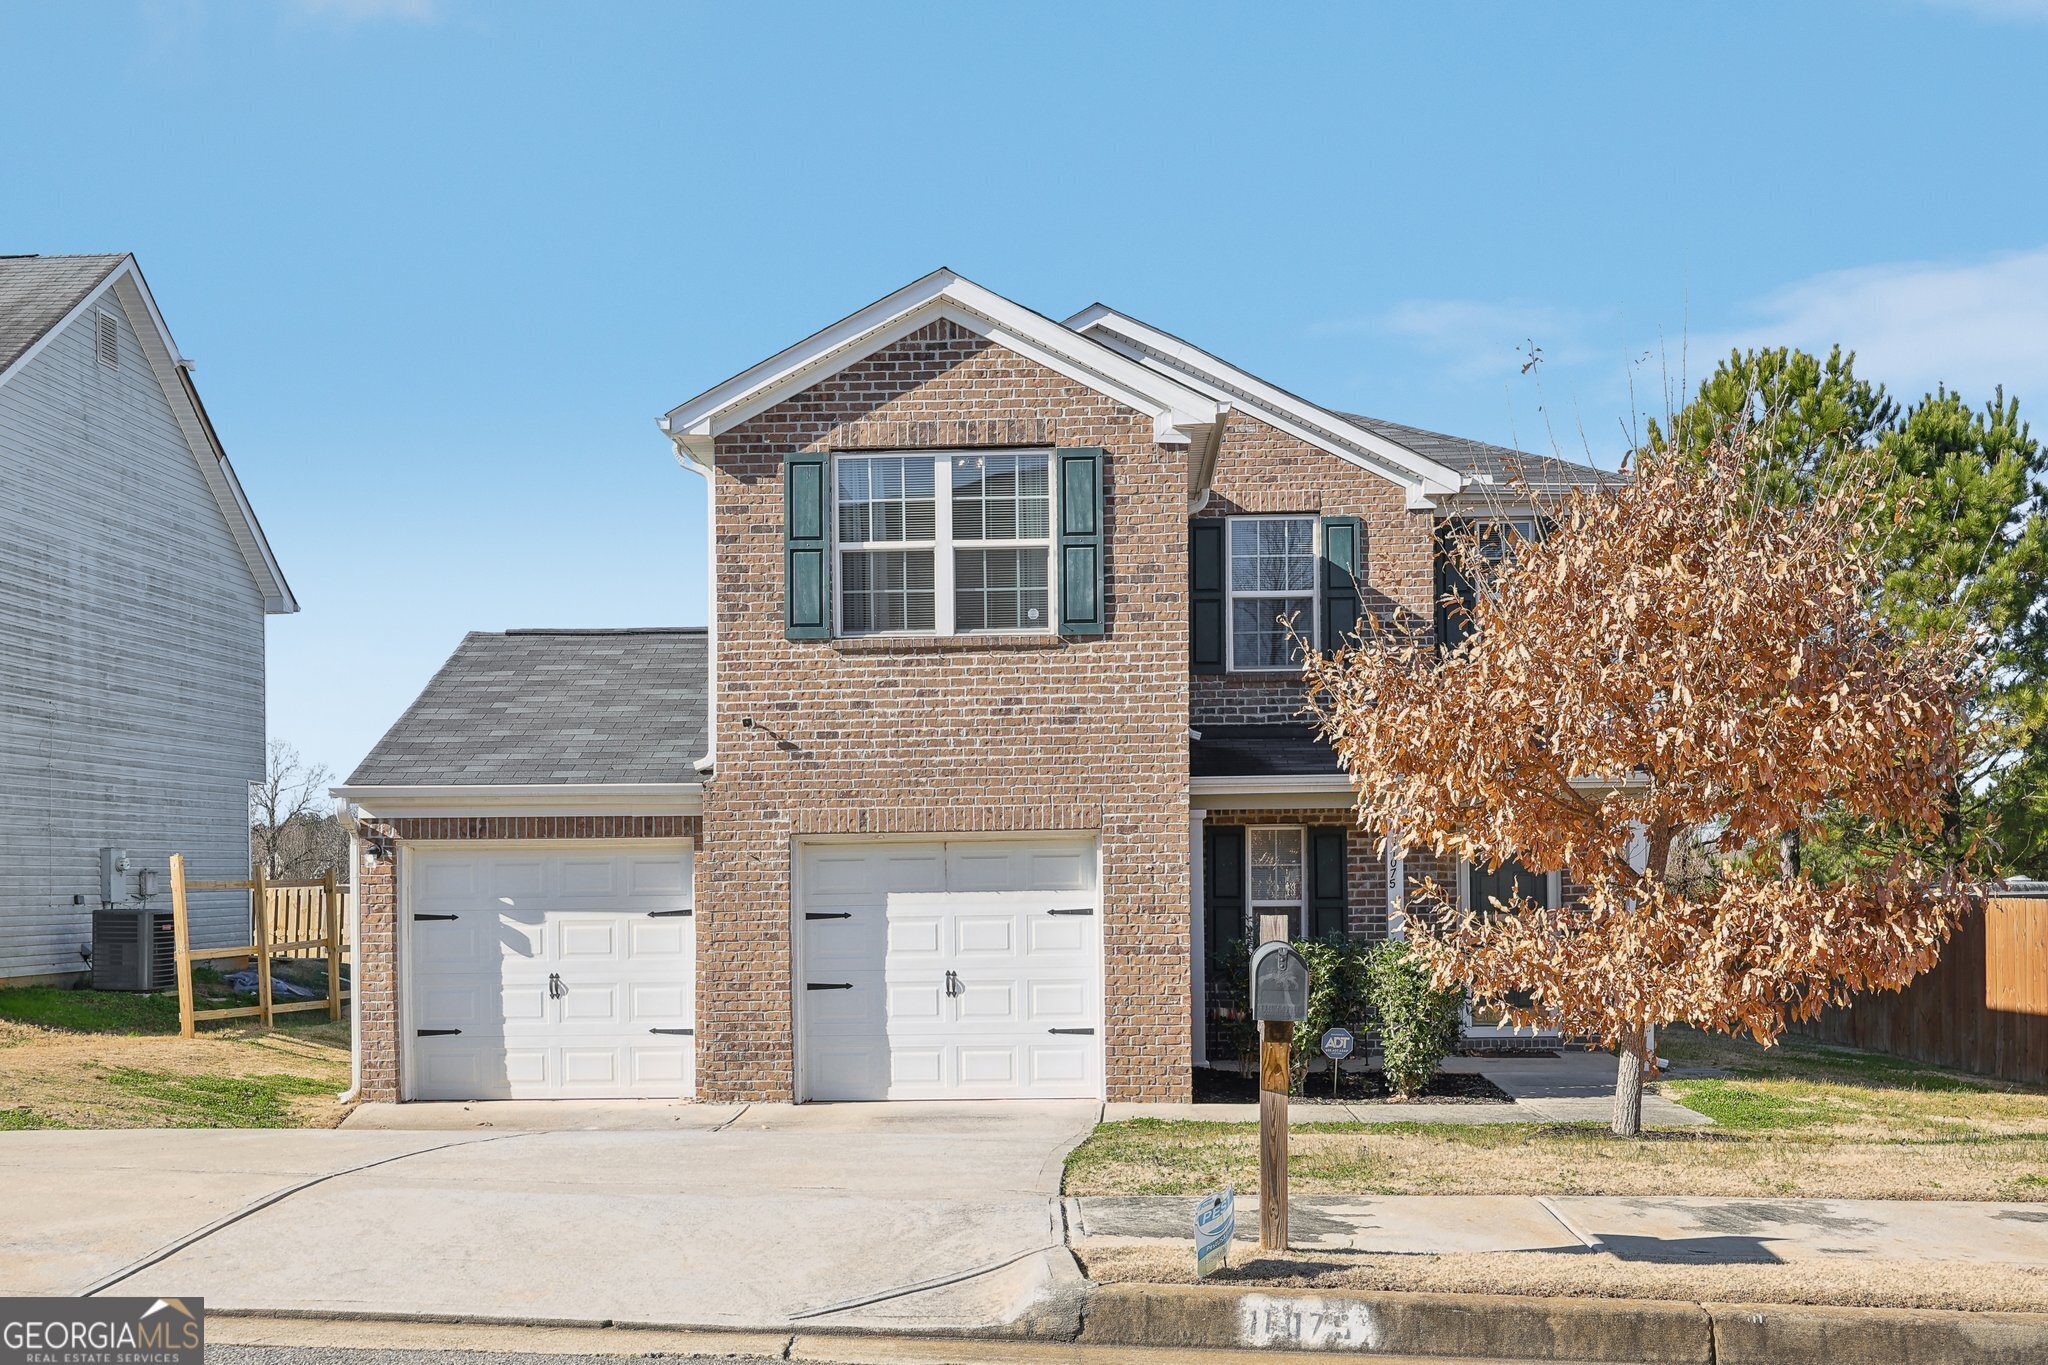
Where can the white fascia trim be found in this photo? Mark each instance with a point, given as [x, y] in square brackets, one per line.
[1271, 782]
[1179, 413]
[1423, 477]
[541, 798]
[131, 292]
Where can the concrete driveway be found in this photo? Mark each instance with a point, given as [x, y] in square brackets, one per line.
[942, 1217]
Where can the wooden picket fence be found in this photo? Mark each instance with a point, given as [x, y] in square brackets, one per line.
[288, 919]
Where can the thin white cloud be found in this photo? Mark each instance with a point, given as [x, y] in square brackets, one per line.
[1914, 325]
[1474, 339]
[2020, 11]
[361, 11]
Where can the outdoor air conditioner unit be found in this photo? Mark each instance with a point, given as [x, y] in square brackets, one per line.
[133, 950]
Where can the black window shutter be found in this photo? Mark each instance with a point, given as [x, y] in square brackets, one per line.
[1343, 568]
[1327, 900]
[1082, 610]
[1206, 567]
[1223, 885]
[806, 548]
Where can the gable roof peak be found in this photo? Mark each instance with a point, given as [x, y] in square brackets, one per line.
[1181, 415]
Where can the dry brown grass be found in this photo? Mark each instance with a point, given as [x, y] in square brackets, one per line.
[1860, 1283]
[284, 1077]
[1150, 1157]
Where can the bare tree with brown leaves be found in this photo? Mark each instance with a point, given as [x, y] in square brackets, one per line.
[1679, 666]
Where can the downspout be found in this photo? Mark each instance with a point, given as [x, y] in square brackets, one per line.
[355, 976]
[688, 460]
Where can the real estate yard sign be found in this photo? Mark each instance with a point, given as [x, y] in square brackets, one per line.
[1215, 1225]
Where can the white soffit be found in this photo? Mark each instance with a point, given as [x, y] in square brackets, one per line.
[1181, 415]
[1424, 478]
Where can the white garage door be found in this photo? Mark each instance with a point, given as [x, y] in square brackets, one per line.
[551, 973]
[956, 970]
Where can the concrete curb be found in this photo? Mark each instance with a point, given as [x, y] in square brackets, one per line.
[1583, 1331]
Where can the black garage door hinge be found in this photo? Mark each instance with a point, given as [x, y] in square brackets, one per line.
[685, 1032]
[435, 1032]
[1082, 910]
[828, 914]
[1089, 1031]
[668, 914]
[828, 985]
[420, 917]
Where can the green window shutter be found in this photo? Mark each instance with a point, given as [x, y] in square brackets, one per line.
[1327, 900]
[1343, 570]
[1223, 885]
[1206, 605]
[1082, 610]
[806, 548]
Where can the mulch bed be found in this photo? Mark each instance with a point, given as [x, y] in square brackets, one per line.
[1215, 1086]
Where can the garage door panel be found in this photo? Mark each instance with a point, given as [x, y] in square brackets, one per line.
[915, 1002]
[984, 1002]
[1057, 1003]
[519, 878]
[1048, 935]
[1050, 1065]
[580, 916]
[986, 1066]
[986, 934]
[915, 935]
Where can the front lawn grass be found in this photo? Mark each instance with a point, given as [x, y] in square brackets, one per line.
[1796, 1120]
[108, 1059]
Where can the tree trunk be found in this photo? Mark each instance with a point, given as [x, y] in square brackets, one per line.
[1628, 1084]
[1788, 855]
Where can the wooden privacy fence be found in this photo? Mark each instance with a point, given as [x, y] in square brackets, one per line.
[288, 919]
[1983, 1007]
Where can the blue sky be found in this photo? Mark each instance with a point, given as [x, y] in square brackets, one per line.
[441, 263]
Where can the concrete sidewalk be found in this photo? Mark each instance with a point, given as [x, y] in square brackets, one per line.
[1676, 1230]
[868, 1216]
[1576, 1086]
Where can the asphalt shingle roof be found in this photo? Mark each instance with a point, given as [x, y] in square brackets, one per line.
[553, 706]
[37, 291]
[1259, 751]
[1540, 473]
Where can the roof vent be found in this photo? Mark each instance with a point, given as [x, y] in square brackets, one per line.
[109, 341]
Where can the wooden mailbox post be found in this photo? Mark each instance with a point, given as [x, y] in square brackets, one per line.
[1279, 1002]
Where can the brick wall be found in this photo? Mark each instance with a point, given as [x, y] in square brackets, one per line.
[928, 736]
[373, 971]
[1263, 469]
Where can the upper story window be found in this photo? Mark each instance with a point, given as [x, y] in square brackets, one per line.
[944, 544]
[1464, 544]
[1272, 588]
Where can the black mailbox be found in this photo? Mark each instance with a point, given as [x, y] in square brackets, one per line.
[1279, 984]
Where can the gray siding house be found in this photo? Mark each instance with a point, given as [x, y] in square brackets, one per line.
[134, 583]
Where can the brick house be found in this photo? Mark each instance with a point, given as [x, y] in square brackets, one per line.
[994, 740]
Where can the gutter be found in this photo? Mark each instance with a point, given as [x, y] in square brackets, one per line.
[691, 460]
[543, 797]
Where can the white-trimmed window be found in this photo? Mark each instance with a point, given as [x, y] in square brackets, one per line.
[1272, 588]
[944, 543]
[1276, 880]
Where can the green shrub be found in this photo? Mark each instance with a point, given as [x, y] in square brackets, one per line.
[1337, 998]
[1419, 1025]
[1230, 991]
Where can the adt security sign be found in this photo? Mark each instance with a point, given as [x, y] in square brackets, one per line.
[1215, 1225]
[1337, 1044]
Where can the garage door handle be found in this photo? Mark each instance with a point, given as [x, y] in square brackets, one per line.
[668, 914]
[435, 1032]
[1082, 910]
[1089, 1031]
[685, 1032]
[828, 985]
[421, 917]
